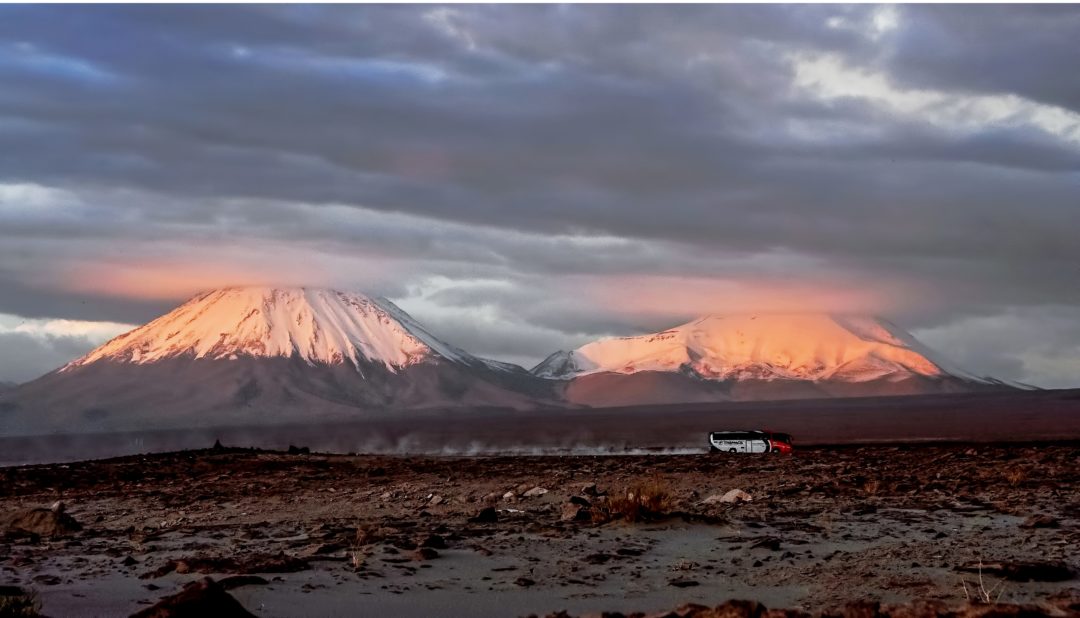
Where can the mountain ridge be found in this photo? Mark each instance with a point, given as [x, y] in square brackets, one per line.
[255, 355]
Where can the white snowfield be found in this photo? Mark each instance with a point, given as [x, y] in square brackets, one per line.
[764, 347]
[321, 326]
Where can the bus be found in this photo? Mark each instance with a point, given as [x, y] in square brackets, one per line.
[757, 441]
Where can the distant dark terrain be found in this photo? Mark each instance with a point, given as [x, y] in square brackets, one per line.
[1009, 416]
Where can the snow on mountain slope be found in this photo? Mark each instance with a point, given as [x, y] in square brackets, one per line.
[807, 347]
[320, 326]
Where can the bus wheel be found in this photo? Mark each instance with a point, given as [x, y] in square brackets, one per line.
[732, 450]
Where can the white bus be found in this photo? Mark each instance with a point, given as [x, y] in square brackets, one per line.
[749, 442]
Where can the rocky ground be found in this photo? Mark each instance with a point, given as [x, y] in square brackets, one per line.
[306, 534]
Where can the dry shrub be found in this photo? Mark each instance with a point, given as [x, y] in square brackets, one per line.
[1016, 475]
[871, 487]
[16, 602]
[641, 501]
[366, 536]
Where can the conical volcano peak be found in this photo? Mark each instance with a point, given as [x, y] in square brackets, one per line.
[321, 326]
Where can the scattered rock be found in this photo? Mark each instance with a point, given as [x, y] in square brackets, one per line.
[597, 558]
[47, 580]
[578, 500]
[768, 542]
[535, 492]
[575, 512]
[509, 496]
[255, 563]
[236, 581]
[590, 490]
[204, 597]
[1045, 571]
[731, 497]
[434, 541]
[683, 583]
[486, 515]
[51, 522]
[426, 553]
[435, 500]
[1040, 521]
[524, 582]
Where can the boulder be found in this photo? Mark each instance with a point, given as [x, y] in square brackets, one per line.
[204, 597]
[575, 512]
[48, 522]
[486, 516]
[535, 492]
[578, 500]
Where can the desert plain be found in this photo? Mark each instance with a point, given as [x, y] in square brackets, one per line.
[922, 529]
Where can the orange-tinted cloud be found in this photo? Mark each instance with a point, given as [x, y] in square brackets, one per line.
[691, 296]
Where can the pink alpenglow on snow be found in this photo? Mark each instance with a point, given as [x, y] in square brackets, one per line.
[319, 325]
[762, 347]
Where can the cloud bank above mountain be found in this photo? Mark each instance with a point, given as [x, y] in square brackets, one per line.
[528, 178]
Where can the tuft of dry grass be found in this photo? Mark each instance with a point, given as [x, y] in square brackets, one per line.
[641, 501]
[366, 535]
[871, 486]
[981, 594]
[1016, 475]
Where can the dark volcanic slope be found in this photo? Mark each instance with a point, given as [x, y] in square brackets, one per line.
[658, 387]
[181, 393]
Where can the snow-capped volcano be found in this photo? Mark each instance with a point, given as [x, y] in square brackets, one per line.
[802, 347]
[825, 354]
[260, 355]
[317, 325]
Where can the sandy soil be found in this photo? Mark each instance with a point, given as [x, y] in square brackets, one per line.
[420, 536]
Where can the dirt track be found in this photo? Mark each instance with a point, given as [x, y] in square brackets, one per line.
[824, 527]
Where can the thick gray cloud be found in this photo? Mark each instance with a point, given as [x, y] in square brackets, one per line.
[574, 171]
[24, 357]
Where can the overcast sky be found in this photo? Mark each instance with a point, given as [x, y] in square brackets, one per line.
[527, 178]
